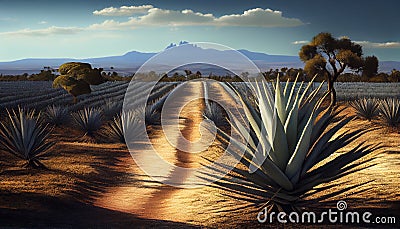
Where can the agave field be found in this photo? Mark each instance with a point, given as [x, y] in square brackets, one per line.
[65, 164]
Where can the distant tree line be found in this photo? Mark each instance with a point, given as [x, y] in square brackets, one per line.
[284, 74]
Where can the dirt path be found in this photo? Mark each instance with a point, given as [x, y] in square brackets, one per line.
[147, 198]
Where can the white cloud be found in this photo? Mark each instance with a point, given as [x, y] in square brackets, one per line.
[300, 42]
[123, 10]
[258, 17]
[109, 25]
[369, 44]
[161, 17]
[53, 30]
[42, 22]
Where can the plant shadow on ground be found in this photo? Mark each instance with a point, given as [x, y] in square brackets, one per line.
[62, 195]
[46, 211]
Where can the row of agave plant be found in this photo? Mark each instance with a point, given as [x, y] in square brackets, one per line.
[298, 164]
[386, 111]
[27, 134]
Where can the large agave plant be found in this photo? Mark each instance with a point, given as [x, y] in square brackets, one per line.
[366, 108]
[24, 135]
[390, 112]
[57, 115]
[89, 120]
[124, 121]
[289, 148]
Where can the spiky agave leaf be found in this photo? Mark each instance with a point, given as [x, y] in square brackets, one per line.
[122, 123]
[366, 108]
[57, 115]
[89, 120]
[287, 172]
[24, 135]
[390, 112]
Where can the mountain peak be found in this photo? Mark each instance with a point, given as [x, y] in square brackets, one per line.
[175, 45]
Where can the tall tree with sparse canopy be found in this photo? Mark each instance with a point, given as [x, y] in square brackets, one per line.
[330, 57]
[76, 78]
[371, 65]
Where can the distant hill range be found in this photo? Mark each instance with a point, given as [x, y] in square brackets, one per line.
[131, 61]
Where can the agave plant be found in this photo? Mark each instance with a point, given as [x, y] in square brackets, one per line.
[111, 108]
[215, 113]
[89, 120]
[287, 154]
[24, 135]
[152, 116]
[390, 112]
[57, 115]
[366, 108]
[124, 121]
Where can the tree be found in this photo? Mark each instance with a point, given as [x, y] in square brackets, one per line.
[43, 75]
[284, 71]
[371, 65]
[188, 72]
[330, 57]
[76, 78]
[198, 73]
[394, 76]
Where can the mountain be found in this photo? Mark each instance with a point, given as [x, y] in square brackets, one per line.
[131, 61]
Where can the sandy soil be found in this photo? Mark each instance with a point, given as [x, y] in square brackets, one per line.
[99, 185]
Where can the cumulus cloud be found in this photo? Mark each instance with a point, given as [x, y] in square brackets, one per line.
[109, 25]
[300, 42]
[161, 17]
[53, 30]
[123, 10]
[147, 15]
[369, 44]
[258, 17]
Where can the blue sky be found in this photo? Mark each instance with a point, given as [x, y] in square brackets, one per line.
[94, 28]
